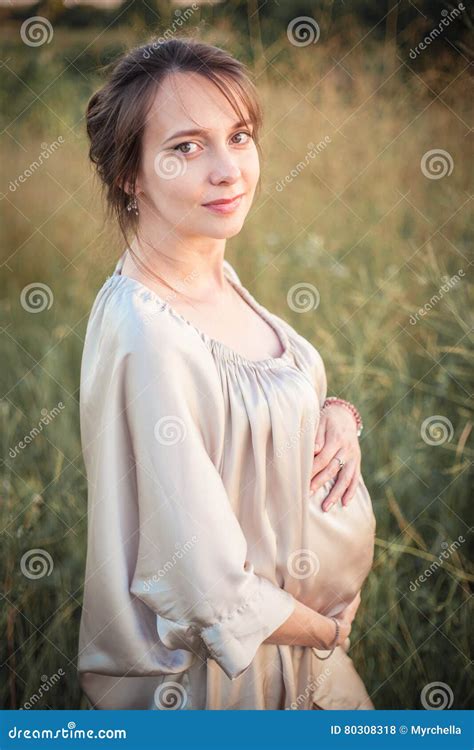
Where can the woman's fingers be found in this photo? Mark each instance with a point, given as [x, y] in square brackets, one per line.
[343, 481]
[351, 490]
[323, 468]
[324, 476]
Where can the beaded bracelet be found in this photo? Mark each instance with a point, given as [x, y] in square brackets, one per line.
[350, 407]
[333, 645]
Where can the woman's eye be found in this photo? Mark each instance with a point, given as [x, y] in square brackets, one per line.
[185, 143]
[243, 132]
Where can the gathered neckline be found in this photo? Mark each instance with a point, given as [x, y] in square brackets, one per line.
[221, 349]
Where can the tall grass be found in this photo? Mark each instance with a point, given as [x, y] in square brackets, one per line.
[375, 237]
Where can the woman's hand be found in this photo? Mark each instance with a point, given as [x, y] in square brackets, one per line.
[337, 435]
[348, 614]
[345, 619]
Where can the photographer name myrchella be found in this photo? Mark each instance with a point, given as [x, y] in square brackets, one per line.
[437, 729]
[416, 729]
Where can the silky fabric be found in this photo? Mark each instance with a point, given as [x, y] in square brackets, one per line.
[202, 531]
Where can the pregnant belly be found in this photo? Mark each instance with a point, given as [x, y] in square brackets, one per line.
[339, 547]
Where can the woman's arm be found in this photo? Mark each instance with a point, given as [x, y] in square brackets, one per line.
[305, 627]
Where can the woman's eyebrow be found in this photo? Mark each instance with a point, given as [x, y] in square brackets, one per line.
[203, 131]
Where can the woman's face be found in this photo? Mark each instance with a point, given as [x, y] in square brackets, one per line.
[180, 171]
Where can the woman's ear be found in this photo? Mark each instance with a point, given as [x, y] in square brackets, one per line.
[127, 188]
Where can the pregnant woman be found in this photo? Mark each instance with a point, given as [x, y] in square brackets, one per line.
[229, 528]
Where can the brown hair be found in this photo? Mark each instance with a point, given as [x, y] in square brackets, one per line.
[117, 112]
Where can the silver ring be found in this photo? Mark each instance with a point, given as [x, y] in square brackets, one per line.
[341, 462]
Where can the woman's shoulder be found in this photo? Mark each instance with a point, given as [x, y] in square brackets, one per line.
[138, 317]
[138, 352]
[128, 319]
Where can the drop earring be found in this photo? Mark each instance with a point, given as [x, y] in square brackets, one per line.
[132, 205]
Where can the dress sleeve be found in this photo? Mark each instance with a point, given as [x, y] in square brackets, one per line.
[191, 568]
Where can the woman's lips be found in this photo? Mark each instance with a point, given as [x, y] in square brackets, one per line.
[224, 208]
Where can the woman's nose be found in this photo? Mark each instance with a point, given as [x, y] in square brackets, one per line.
[226, 168]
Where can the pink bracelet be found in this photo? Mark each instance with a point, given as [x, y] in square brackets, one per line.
[350, 407]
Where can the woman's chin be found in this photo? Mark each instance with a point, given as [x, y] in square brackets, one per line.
[224, 232]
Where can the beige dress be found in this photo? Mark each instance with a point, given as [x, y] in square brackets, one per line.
[201, 528]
